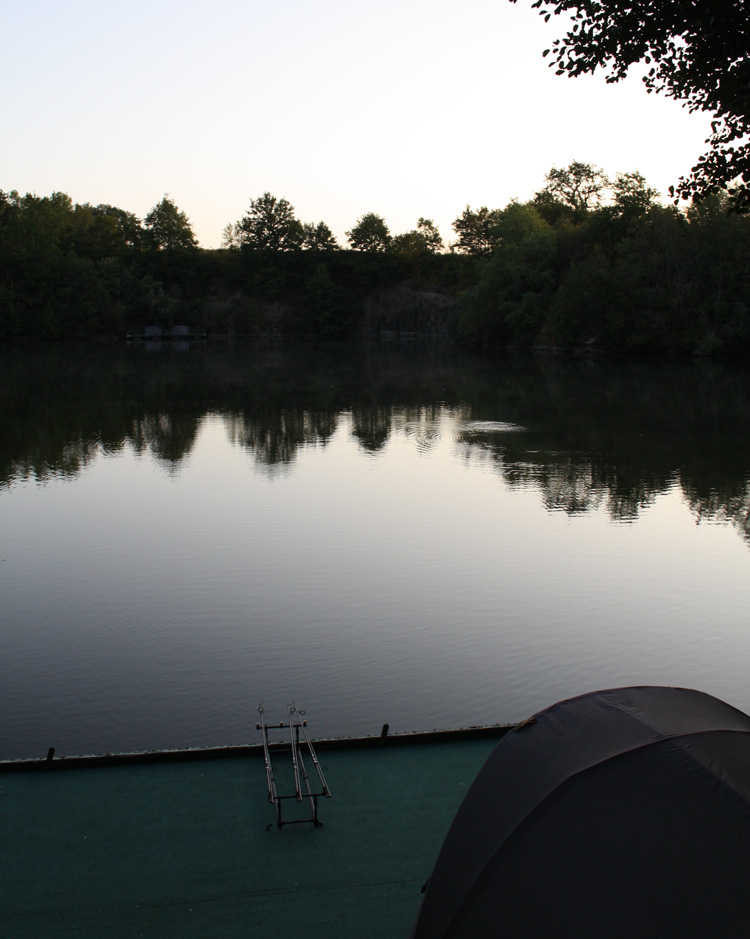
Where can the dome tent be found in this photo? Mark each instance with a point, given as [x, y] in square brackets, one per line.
[620, 813]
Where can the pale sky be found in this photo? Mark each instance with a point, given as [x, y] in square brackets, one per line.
[406, 108]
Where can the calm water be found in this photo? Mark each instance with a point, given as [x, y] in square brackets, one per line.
[425, 537]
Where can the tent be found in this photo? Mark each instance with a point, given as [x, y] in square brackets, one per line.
[618, 813]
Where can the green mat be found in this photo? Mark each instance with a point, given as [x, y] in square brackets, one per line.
[184, 849]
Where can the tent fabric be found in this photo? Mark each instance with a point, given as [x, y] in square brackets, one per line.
[623, 812]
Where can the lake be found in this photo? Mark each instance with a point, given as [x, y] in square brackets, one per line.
[423, 536]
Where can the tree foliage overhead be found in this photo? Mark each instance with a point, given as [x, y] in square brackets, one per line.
[697, 52]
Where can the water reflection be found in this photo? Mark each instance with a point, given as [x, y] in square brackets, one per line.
[583, 433]
[169, 437]
[372, 426]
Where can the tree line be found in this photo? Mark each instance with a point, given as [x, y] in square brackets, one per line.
[32, 224]
[271, 224]
[70, 270]
[595, 263]
[588, 262]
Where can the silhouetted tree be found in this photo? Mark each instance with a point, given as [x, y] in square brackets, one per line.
[370, 233]
[516, 285]
[230, 235]
[318, 237]
[425, 239]
[517, 221]
[127, 225]
[632, 194]
[104, 231]
[476, 231]
[269, 225]
[167, 227]
[579, 186]
[41, 225]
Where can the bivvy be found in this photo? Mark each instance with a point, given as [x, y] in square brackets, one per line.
[618, 813]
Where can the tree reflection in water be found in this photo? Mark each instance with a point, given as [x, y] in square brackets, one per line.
[584, 433]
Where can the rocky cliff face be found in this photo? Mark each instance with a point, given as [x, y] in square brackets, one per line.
[397, 313]
[404, 313]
